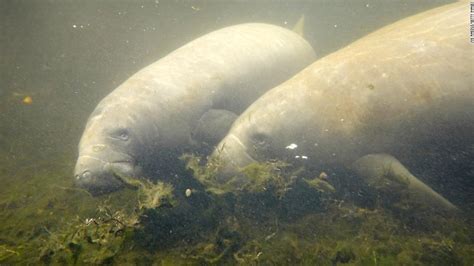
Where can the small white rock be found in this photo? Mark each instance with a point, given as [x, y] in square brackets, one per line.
[188, 192]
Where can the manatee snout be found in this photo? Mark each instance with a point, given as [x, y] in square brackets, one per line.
[231, 155]
[96, 176]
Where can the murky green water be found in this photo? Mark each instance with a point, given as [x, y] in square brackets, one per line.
[58, 59]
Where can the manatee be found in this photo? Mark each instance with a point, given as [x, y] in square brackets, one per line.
[213, 126]
[142, 126]
[404, 91]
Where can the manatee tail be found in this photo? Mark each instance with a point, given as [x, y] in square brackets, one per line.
[299, 26]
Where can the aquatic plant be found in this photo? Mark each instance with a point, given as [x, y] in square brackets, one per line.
[149, 194]
[94, 240]
[99, 238]
[205, 173]
[320, 183]
[6, 252]
[253, 178]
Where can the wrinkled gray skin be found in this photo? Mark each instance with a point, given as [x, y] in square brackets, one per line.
[212, 127]
[399, 90]
[149, 119]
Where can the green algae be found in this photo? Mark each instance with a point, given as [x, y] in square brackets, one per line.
[100, 238]
[253, 178]
[320, 183]
[95, 240]
[45, 220]
[149, 194]
[39, 208]
[7, 252]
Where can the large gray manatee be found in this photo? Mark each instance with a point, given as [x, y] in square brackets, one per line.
[149, 119]
[404, 90]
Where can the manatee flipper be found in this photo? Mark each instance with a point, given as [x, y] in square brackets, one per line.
[213, 126]
[384, 171]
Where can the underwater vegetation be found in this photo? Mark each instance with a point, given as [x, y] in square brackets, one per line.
[293, 221]
[264, 175]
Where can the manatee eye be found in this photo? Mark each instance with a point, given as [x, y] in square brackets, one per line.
[262, 146]
[121, 134]
[260, 139]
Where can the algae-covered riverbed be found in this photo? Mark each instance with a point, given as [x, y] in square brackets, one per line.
[46, 220]
[60, 58]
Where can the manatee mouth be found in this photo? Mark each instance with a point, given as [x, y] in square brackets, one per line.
[236, 154]
[123, 171]
[233, 155]
[100, 177]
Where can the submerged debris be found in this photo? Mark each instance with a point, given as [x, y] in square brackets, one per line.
[321, 183]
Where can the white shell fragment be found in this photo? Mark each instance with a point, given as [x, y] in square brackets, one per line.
[188, 192]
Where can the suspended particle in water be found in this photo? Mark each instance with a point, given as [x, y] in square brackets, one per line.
[27, 100]
[292, 146]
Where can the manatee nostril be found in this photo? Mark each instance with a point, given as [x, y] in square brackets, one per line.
[98, 147]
